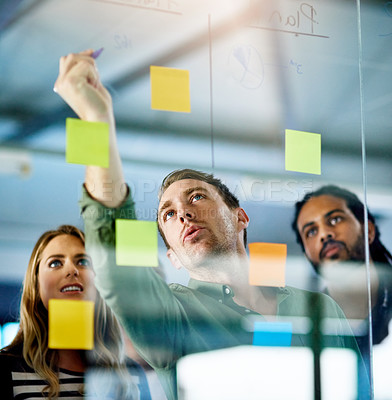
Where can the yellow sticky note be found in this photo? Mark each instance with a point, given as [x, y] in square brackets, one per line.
[136, 243]
[303, 152]
[267, 264]
[170, 89]
[87, 142]
[71, 324]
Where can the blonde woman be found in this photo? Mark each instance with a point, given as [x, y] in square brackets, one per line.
[60, 268]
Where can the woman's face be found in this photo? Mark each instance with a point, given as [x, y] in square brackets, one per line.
[65, 271]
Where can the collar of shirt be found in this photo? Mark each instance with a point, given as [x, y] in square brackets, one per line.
[224, 293]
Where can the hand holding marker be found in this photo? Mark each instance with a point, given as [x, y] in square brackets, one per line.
[94, 55]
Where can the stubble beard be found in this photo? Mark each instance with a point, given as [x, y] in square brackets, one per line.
[215, 251]
[356, 254]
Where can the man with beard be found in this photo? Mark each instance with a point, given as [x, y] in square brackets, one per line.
[204, 229]
[329, 225]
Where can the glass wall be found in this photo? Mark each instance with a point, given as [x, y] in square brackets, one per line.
[287, 102]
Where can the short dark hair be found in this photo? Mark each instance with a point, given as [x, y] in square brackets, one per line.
[378, 251]
[180, 174]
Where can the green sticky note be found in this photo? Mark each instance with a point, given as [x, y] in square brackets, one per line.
[136, 243]
[71, 324]
[170, 89]
[87, 142]
[303, 152]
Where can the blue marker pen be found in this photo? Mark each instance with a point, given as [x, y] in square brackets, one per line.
[97, 53]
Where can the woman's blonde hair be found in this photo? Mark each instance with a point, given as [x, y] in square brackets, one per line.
[33, 331]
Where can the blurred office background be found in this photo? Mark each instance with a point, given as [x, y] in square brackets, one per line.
[256, 68]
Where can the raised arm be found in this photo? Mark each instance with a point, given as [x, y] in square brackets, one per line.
[146, 307]
[78, 83]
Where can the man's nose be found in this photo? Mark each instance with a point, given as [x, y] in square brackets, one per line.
[326, 233]
[186, 215]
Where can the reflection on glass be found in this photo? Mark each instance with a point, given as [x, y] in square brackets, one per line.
[250, 71]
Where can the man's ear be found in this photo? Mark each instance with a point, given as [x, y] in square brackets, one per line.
[243, 219]
[172, 256]
[371, 232]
